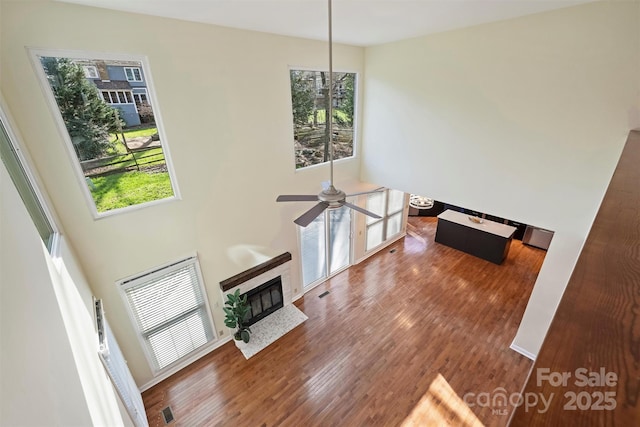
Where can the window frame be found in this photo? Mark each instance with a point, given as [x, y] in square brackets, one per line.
[90, 71]
[137, 93]
[327, 252]
[35, 54]
[119, 93]
[356, 115]
[133, 74]
[384, 220]
[131, 281]
[32, 178]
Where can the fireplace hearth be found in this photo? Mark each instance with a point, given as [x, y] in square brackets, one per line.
[269, 294]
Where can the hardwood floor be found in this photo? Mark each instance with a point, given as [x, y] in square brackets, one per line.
[399, 339]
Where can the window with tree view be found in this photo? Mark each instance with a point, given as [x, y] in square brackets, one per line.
[111, 130]
[310, 101]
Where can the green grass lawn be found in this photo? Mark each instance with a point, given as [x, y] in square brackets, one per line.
[129, 188]
[148, 131]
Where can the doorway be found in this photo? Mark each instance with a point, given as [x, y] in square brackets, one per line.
[325, 246]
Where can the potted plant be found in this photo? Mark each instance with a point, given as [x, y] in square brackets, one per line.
[236, 309]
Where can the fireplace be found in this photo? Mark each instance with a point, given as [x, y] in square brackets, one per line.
[264, 300]
[267, 286]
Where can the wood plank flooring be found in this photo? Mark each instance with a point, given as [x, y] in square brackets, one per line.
[399, 340]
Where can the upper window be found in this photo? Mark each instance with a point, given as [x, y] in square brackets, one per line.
[90, 72]
[133, 74]
[169, 309]
[389, 204]
[23, 183]
[310, 101]
[117, 96]
[122, 157]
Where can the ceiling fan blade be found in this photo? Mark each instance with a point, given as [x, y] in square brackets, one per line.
[366, 192]
[308, 217]
[297, 198]
[359, 209]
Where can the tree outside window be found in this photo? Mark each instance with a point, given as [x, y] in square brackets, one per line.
[121, 160]
[310, 101]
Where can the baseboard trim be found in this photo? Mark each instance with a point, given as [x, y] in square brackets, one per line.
[381, 247]
[523, 352]
[164, 375]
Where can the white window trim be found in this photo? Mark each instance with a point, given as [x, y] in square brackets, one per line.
[116, 366]
[133, 74]
[139, 91]
[35, 53]
[118, 92]
[90, 71]
[36, 183]
[356, 117]
[189, 358]
[386, 240]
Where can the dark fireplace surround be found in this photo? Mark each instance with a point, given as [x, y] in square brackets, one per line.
[264, 300]
[267, 287]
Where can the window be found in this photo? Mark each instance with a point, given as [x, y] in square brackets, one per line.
[389, 204]
[140, 96]
[133, 74]
[117, 97]
[309, 101]
[122, 158]
[23, 183]
[116, 366]
[169, 308]
[91, 72]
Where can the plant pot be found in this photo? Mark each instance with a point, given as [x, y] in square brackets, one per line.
[240, 344]
[238, 336]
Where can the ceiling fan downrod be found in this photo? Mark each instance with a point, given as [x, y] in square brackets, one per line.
[329, 116]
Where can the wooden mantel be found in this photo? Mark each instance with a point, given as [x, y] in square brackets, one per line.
[249, 274]
[597, 324]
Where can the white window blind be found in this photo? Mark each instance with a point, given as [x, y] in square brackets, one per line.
[169, 309]
[118, 371]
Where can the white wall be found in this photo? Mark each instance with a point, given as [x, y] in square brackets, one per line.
[50, 370]
[225, 103]
[523, 119]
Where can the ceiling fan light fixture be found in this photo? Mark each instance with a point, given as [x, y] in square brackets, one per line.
[420, 202]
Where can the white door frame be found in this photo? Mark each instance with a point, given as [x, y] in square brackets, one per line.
[327, 253]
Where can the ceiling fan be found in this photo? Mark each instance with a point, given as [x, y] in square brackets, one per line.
[330, 197]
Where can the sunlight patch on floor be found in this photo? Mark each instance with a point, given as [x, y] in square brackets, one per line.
[441, 406]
